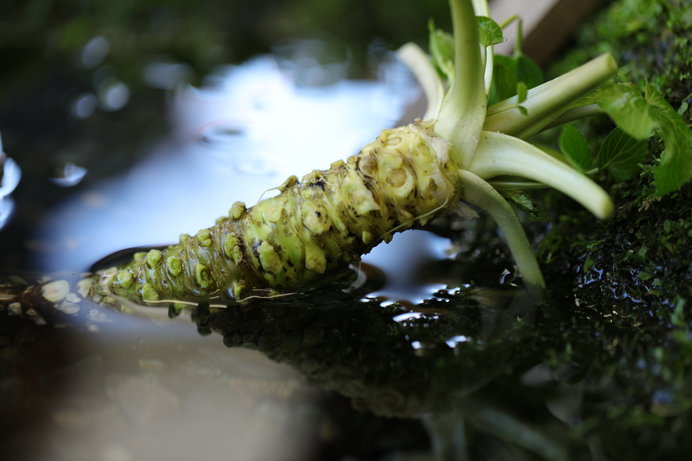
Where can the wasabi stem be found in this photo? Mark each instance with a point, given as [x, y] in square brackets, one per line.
[463, 110]
[577, 113]
[431, 83]
[478, 192]
[502, 155]
[548, 101]
[487, 155]
[480, 7]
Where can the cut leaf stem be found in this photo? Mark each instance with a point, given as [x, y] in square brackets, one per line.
[547, 101]
[502, 155]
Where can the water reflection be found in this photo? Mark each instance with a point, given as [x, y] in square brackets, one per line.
[113, 95]
[409, 263]
[444, 363]
[67, 175]
[10, 174]
[95, 51]
[151, 392]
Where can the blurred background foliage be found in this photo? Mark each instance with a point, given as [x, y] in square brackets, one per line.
[651, 40]
[202, 34]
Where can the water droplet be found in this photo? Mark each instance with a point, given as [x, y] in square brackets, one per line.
[454, 340]
[221, 133]
[114, 96]
[84, 106]
[503, 276]
[67, 175]
[95, 51]
[407, 316]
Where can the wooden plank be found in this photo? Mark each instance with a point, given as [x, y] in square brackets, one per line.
[548, 24]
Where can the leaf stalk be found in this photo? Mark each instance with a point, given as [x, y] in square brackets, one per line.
[546, 102]
[462, 114]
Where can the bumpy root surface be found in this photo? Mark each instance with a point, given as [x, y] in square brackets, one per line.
[313, 227]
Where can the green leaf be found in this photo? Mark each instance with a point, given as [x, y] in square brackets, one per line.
[575, 147]
[642, 115]
[489, 32]
[508, 72]
[528, 71]
[677, 318]
[643, 275]
[504, 79]
[626, 106]
[522, 200]
[621, 154]
[442, 50]
[442, 44]
[522, 92]
[676, 160]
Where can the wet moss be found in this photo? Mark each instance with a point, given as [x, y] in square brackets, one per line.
[650, 39]
[642, 255]
[627, 282]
